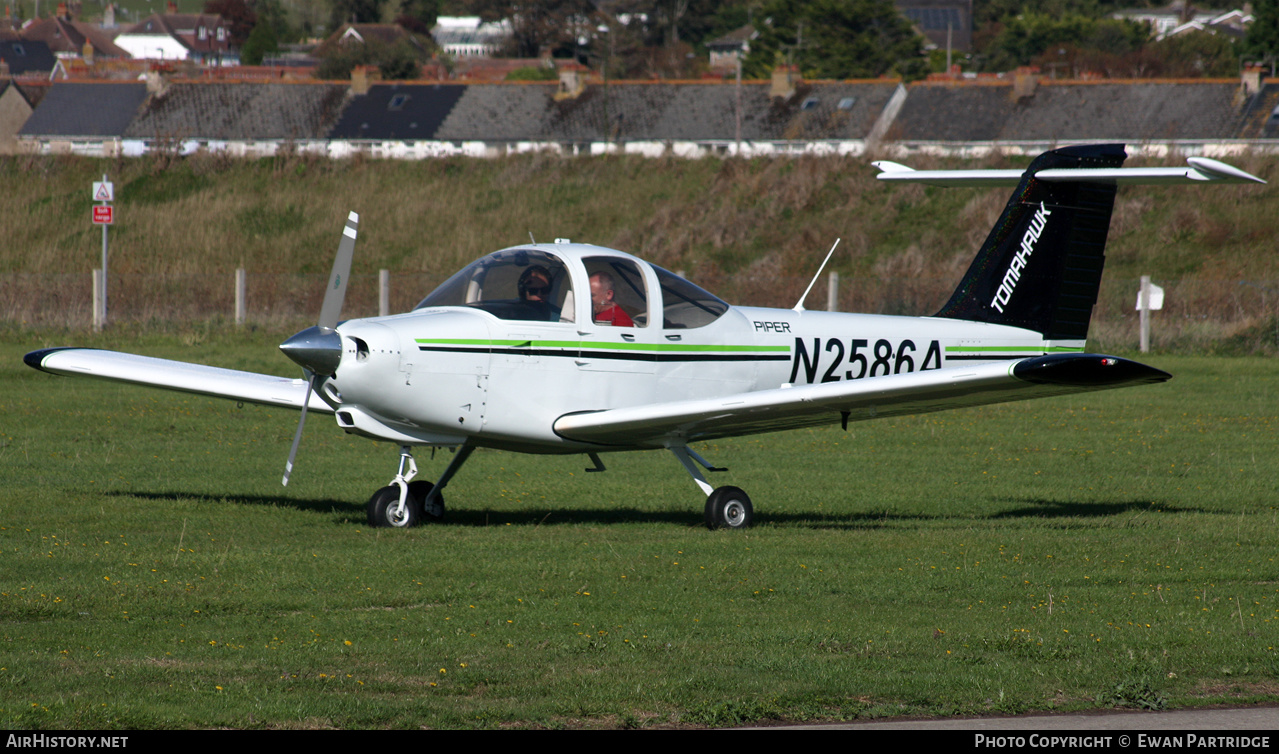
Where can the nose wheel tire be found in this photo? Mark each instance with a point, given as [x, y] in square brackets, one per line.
[729, 508]
[382, 506]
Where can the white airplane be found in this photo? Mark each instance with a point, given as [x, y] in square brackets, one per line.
[573, 348]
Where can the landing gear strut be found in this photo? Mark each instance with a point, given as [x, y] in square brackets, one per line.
[726, 507]
[403, 502]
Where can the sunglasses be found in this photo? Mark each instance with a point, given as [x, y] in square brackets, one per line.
[538, 290]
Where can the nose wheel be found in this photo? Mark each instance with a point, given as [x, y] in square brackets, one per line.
[404, 502]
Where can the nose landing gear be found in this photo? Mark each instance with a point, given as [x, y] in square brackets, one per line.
[404, 502]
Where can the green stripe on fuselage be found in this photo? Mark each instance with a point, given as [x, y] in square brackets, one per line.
[583, 344]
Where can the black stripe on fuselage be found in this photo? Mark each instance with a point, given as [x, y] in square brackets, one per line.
[614, 355]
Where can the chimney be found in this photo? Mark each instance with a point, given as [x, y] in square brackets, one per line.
[108, 16]
[171, 9]
[4, 69]
[157, 84]
[62, 12]
[87, 52]
[572, 82]
[363, 77]
[1252, 76]
[785, 77]
[1025, 81]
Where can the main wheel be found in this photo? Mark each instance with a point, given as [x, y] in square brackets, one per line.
[418, 491]
[729, 508]
[381, 508]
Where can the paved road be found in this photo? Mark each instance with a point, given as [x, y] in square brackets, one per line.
[1250, 718]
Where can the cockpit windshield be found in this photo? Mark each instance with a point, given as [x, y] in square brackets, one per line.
[518, 284]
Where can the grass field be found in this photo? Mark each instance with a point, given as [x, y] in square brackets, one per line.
[1113, 549]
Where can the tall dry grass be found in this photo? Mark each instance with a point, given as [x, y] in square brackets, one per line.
[754, 231]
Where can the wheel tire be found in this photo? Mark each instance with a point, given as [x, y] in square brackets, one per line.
[418, 491]
[385, 500]
[729, 508]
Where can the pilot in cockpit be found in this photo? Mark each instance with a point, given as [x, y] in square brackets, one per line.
[535, 291]
[605, 310]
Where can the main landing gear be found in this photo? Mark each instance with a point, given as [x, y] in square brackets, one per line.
[726, 507]
[404, 503]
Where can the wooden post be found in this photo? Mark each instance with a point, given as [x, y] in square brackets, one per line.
[1144, 308]
[383, 293]
[241, 305]
[832, 292]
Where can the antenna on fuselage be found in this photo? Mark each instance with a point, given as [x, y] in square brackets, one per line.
[800, 306]
[531, 239]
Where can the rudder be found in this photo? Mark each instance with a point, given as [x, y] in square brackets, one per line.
[1040, 267]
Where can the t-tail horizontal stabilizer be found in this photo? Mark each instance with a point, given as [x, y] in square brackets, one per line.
[1040, 267]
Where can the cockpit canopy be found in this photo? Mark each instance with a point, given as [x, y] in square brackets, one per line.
[532, 284]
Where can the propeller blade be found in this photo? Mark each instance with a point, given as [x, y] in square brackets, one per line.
[335, 294]
[297, 436]
[319, 349]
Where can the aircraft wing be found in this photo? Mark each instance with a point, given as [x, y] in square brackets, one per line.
[854, 400]
[248, 387]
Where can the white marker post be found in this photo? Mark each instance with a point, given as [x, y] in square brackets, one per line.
[104, 215]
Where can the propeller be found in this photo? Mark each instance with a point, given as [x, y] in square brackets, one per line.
[318, 349]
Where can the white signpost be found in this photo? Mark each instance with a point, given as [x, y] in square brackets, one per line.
[1149, 298]
[104, 215]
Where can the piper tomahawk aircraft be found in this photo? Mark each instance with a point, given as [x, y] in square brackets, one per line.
[574, 348]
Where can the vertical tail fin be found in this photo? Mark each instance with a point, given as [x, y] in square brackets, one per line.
[1040, 267]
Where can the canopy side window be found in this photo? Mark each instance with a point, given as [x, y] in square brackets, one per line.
[684, 305]
[619, 296]
[520, 284]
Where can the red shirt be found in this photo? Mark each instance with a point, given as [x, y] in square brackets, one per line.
[614, 316]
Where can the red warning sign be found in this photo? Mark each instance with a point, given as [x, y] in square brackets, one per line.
[103, 214]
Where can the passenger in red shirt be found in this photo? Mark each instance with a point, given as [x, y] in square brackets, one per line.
[606, 311]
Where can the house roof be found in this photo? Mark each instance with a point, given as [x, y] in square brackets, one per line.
[734, 40]
[86, 109]
[26, 56]
[184, 27]
[666, 112]
[1132, 111]
[65, 36]
[1258, 121]
[232, 111]
[397, 111]
[357, 33]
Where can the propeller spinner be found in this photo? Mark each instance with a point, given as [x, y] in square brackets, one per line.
[318, 349]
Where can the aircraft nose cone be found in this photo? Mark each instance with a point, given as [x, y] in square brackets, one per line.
[318, 349]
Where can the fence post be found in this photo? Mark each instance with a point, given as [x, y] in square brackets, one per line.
[832, 292]
[99, 309]
[241, 305]
[1143, 304]
[383, 293]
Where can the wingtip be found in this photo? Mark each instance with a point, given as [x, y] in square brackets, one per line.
[35, 359]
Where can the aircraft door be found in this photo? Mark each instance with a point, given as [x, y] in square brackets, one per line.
[619, 353]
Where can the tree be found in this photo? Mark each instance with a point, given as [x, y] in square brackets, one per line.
[1262, 41]
[835, 39]
[238, 14]
[538, 24]
[355, 12]
[1029, 35]
[398, 61]
[260, 42]
[418, 16]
